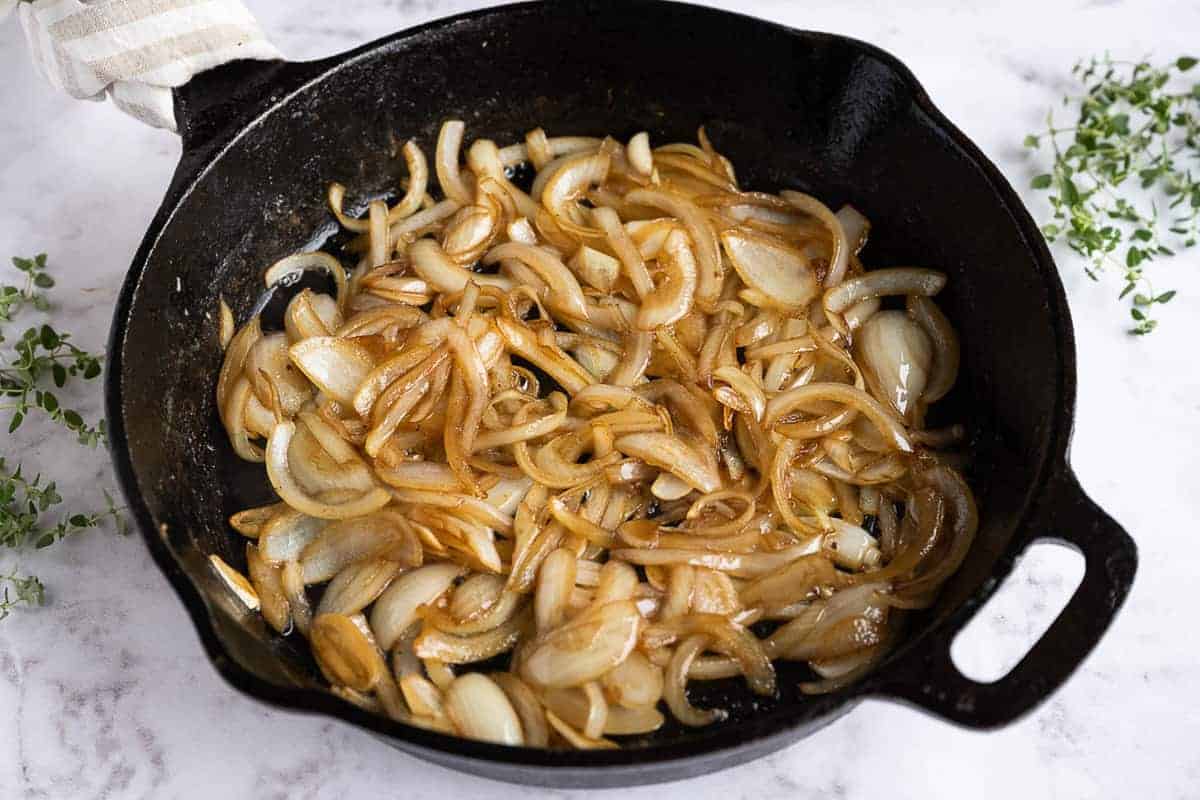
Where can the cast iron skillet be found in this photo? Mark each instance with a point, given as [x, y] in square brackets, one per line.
[826, 114]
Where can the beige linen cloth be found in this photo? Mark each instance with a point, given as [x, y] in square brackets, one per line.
[135, 51]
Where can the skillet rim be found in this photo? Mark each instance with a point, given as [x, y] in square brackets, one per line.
[756, 736]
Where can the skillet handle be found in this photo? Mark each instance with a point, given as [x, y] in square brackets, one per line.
[138, 53]
[929, 679]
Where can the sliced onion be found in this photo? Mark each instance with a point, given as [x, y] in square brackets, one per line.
[519, 230]
[422, 475]
[273, 376]
[944, 372]
[565, 293]
[708, 287]
[787, 402]
[675, 686]
[317, 471]
[475, 595]
[231, 368]
[357, 586]
[336, 197]
[250, 522]
[673, 454]
[896, 357]
[385, 375]
[337, 366]
[855, 226]
[446, 162]
[484, 160]
[451, 649]
[287, 271]
[344, 654]
[634, 683]
[631, 259]
[639, 155]
[310, 314]
[286, 535]
[557, 364]
[472, 508]
[599, 270]
[470, 232]
[527, 706]
[574, 738]
[480, 710]
[292, 581]
[423, 221]
[840, 255]
[617, 581]
[672, 299]
[781, 273]
[739, 565]
[880, 283]
[396, 609]
[236, 582]
[852, 547]
[668, 487]
[431, 263]
[752, 399]
[341, 543]
[585, 648]
[226, 326]
[730, 637]
[268, 585]
[556, 579]
[422, 696]
[285, 484]
[418, 182]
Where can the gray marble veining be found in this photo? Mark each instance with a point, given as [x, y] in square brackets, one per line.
[106, 692]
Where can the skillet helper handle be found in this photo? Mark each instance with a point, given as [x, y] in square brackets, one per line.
[929, 678]
[138, 51]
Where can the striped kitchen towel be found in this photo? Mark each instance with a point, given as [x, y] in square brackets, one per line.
[135, 51]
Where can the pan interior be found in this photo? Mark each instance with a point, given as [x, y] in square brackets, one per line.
[802, 111]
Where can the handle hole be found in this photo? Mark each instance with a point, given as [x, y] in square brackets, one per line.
[1045, 576]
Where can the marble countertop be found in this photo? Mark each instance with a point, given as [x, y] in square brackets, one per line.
[105, 692]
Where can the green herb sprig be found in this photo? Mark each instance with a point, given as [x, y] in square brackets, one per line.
[40, 357]
[24, 502]
[13, 298]
[25, 590]
[42, 352]
[1136, 124]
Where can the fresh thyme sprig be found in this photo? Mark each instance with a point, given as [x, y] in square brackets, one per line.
[43, 353]
[26, 590]
[24, 502]
[13, 298]
[1136, 123]
[41, 356]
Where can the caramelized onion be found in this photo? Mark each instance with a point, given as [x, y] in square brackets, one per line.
[779, 273]
[896, 357]
[598, 430]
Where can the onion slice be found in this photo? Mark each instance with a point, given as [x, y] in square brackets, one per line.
[672, 299]
[285, 484]
[709, 274]
[449, 143]
[781, 274]
[585, 648]
[337, 366]
[480, 710]
[674, 455]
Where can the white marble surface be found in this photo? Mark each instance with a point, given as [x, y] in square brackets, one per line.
[105, 692]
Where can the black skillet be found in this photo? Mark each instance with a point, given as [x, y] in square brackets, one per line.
[832, 116]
